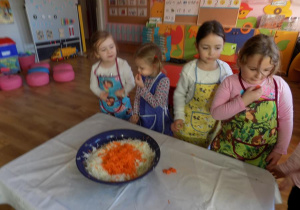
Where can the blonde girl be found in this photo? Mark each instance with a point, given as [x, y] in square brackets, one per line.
[255, 106]
[111, 77]
[151, 100]
[196, 87]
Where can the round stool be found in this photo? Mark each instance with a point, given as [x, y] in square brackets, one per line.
[10, 82]
[63, 73]
[62, 66]
[37, 79]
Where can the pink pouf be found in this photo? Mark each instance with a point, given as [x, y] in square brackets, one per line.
[10, 82]
[37, 79]
[63, 73]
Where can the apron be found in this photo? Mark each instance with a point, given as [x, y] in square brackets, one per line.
[118, 107]
[199, 125]
[159, 118]
[250, 135]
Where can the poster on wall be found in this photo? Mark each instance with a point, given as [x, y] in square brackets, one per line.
[6, 15]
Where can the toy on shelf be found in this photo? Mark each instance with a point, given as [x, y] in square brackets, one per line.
[64, 53]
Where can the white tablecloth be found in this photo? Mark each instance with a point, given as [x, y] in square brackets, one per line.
[47, 177]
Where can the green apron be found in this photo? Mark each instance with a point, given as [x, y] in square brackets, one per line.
[199, 125]
[250, 135]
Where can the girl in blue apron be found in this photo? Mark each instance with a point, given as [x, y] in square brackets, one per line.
[111, 77]
[151, 100]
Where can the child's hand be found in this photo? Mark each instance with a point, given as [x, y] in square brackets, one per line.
[134, 118]
[103, 95]
[139, 81]
[286, 183]
[277, 172]
[272, 160]
[120, 93]
[251, 94]
[177, 125]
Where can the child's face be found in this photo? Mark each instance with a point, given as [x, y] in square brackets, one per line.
[107, 50]
[210, 48]
[145, 68]
[257, 69]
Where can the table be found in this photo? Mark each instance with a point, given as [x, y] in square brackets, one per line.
[47, 177]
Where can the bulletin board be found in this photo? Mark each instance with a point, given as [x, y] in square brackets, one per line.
[224, 11]
[53, 24]
[181, 12]
[128, 11]
[193, 12]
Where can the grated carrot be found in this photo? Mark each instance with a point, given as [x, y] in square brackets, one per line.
[169, 171]
[122, 159]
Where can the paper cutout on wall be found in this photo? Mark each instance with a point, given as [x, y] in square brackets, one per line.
[221, 3]
[67, 21]
[157, 9]
[49, 34]
[279, 7]
[40, 35]
[6, 15]
[229, 49]
[177, 38]
[244, 21]
[61, 32]
[190, 49]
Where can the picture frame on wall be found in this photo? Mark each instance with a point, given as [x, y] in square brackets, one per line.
[6, 16]
[112, 2]
[142, 3]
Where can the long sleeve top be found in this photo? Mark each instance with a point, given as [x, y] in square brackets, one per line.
[228, 102]
[186, 85]
[125, 74]
[160, 98]
[292, 166]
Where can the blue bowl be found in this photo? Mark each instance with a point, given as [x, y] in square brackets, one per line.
[109, 136]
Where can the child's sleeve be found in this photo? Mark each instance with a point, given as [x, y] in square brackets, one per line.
[292, 166]
[94, 86]
[180, 95]
[160, 98]
[128, 79]
[223, 106]
[136, 105]
[285, 117]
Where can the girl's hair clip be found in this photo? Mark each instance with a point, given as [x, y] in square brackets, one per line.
[155, 56]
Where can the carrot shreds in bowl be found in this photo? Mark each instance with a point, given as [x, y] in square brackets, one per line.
[122, 159]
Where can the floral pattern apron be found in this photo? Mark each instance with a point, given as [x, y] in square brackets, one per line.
[159, 118]
[119, 107]
[250, 135]
[199, 125]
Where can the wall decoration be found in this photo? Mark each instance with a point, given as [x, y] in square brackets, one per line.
[49, 34]
[243, 20]
[61, 32]
[122, 12]
[113, 11]
[6, 15]
[128, 11]
[279, 7]
[40, 35]
[132, 11]
[131, 2]
[112, 2]
[157, 9]
[190, 50]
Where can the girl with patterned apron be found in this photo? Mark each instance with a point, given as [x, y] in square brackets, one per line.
[119, 107]
[158, 118]
[199, 125]
[250, 135]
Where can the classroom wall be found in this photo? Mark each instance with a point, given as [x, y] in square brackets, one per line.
[19, 30]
